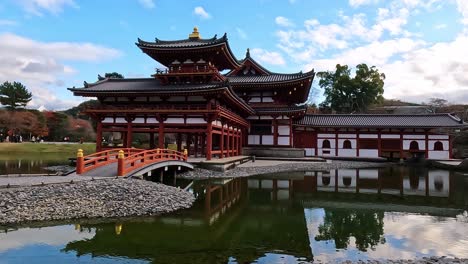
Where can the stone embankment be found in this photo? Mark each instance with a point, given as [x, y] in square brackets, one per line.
[90, 199]
[268, 166]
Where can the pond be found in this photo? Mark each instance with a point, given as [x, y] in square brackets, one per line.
[337, 215]
[30, 163]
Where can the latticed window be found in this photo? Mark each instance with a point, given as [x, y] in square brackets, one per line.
[414, 145]
[438, 146]
[347, 144]
[326, 143]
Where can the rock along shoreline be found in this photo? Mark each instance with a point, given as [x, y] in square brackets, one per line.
[107, 198]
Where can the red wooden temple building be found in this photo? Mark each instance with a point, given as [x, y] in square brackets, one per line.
[214, 105]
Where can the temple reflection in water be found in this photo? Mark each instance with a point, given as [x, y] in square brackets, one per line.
[298, 216]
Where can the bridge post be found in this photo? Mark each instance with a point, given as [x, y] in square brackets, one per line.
[79, 161]
[185, 154]
[120, 163]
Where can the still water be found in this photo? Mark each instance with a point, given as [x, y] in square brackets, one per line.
[397, 212]
[21, 163]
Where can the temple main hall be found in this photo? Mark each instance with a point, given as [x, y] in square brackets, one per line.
[214, 105]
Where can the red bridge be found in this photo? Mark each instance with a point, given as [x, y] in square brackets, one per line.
[128, 161]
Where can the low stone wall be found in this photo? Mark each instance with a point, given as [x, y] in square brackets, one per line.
[90, 199]
[274, 152]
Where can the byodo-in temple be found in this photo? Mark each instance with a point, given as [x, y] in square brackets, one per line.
[207, 101]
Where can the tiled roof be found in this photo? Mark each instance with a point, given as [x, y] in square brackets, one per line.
[274, 77]
[140, 85]
[183, 43]
[384, 121]
[286, 109]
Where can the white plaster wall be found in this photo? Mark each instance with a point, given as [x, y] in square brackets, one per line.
[310, 152]
[255, 100]
[151, 120]
[341, 141]
[331, 154]
[421, 190]
[108, 120]
[120, 120]
[139, 120]
[267, 140]
[438, 137]
[266, 117]
[155, 99]
[332, 142]
[347, 135]
[174, 120]
[368, 136]
[439, 154]
[194, 120]
[390, 136]
[283, 130]
[283, 141]
[321, 186]
[347, 153]
[122, 99]
[444, 143]
[369, 153]
[326, 135]
[140, 99]
[253, 139]
[414, 137]
[421, 143]
[369, 174]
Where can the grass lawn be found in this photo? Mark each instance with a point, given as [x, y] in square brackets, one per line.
[66, 149]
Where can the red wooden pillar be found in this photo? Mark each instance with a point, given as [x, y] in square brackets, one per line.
[316, 142]
[179, 141]
[241, 140]
[152, 146]
[290, 132]
[275, 131]
[129, 133]
[221, 144]
[161, 134]
[99, 135]
[401, 144]
[357, 143]
[228, 139]
[379, 141]
[426, 139]
[209, 139]
[203, 140]
[195, 147]
[188, 143]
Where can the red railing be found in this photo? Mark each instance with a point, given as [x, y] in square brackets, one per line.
[146, 157]
[98, 159]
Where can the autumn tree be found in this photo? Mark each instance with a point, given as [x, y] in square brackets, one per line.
[14, 95]
[114, 75]
[347, 94]
[437, 103]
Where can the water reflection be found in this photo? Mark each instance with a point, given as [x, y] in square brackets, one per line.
[292, 218]
[21, 163]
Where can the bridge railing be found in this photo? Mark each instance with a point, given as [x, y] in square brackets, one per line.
[102, 158]
[146, 157]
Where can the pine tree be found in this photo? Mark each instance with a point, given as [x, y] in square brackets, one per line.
[14, 95]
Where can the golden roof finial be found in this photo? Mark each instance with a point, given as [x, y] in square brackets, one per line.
[195, 34]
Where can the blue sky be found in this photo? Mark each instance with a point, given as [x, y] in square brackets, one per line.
[421, 46]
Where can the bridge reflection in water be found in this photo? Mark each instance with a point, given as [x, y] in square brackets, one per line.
[283, 216]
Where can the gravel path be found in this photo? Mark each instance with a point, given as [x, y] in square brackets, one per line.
[269, 166]
[90, 199]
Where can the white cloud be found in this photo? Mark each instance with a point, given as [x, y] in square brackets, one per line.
[36, 7]
[147, 3]
[462, 6]
[269, 57]
[356, 3]
[284, 22]
[43, 65]
[6, 22]
[200, 11]
[440, 26]
[241, 33]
